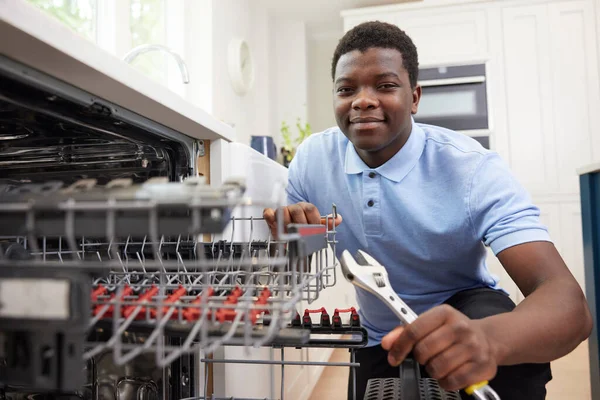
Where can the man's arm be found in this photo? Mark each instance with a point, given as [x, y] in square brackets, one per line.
[299, 210]
[554, 317]
[551, 321]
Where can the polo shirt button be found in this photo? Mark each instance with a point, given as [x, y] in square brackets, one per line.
[371, 203]
[372, 174]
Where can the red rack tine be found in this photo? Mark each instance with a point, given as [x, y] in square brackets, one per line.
[173, 298]
[194, 313]
[262, 300]
[144, 298]
[127, 291]
[99, 291]
[228, 314]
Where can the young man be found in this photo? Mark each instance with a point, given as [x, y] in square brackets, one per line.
[425, 201]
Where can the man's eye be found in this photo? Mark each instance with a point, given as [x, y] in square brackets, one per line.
[388, 86]
[344, 90]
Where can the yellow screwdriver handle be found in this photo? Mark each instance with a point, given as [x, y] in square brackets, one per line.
[471, 389]
[481, 391]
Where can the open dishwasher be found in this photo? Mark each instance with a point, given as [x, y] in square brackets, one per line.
[123, 273]
[129, 271]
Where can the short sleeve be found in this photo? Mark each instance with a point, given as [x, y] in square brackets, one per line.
[296, 182]
[502, 213]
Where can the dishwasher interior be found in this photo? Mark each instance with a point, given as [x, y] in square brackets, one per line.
[121, 271]
[87, 274]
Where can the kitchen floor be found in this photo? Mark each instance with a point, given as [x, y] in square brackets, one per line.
[571, 377]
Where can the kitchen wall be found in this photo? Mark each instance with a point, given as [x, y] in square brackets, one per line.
[212, 25]
[198, 49]
[279, 51]
[289, 89]
[320, 90]
[250, 113]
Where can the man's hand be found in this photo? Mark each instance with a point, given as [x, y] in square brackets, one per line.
[453, 348]
[300, 213]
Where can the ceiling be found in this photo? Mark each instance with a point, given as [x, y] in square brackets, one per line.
[320, 15]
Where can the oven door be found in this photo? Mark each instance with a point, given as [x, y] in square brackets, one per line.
[455, 98]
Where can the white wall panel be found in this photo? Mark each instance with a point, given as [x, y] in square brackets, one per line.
[574, 88]
[528, 95]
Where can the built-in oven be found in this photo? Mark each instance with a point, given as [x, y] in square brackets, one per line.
[455, 97]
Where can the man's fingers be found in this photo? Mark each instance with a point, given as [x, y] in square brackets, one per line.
[433, 344]
[330, 222]
[297, 214]
[400, 348]
[300, 213]
[269, 216]
[467, 374]
[311, 213]
[287, 217]
[444, 363]
[418, 330]
[272, 216]
[271, 220]
[389, 339]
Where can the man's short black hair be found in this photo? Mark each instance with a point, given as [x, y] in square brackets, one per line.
[379, 34]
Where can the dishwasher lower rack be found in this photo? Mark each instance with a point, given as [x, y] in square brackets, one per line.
[409, 385]
[70, 301]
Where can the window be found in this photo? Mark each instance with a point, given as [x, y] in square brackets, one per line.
[147, 25]
[121, 25]
[79, 15]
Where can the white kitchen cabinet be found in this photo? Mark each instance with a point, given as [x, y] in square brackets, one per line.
[552, 99]
[542, 67]
[461, 35]
[576, 88]
[441, 37]
[552, 87]
[527, 70]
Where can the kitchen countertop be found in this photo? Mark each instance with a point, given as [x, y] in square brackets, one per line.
[586, 169]
[37, 40]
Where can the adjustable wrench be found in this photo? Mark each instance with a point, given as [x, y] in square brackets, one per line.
[366, 273]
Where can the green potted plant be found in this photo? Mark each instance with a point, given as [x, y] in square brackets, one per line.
[288, 149]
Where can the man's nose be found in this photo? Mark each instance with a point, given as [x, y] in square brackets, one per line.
[364, 100]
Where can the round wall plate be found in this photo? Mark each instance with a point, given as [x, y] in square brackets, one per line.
[240, 65]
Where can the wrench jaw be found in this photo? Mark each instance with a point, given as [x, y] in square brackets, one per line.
[371, 277]
[359, 275]
[369, 259]
[348, 265]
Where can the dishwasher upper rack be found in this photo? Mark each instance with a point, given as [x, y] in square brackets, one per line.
[208, 292]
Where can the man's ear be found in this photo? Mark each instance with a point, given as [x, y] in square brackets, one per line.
[416, 97]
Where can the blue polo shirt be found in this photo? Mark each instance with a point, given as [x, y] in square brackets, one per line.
[427, 214]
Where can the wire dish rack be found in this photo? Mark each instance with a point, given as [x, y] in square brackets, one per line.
[122, 266]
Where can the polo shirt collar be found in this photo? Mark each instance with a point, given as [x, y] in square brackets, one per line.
[397, 167]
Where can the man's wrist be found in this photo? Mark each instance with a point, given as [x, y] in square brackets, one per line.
[491, 328]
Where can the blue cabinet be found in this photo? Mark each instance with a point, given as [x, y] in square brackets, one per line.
[590, 214]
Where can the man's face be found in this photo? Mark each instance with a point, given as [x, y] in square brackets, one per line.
[373, 102]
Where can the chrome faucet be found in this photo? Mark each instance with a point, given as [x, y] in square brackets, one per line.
[144, 48]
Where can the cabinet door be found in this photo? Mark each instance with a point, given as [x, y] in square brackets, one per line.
[442, 36]
[575, 89]
[446, 38]
[552, 92]
[552, 102]
[527, 69]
